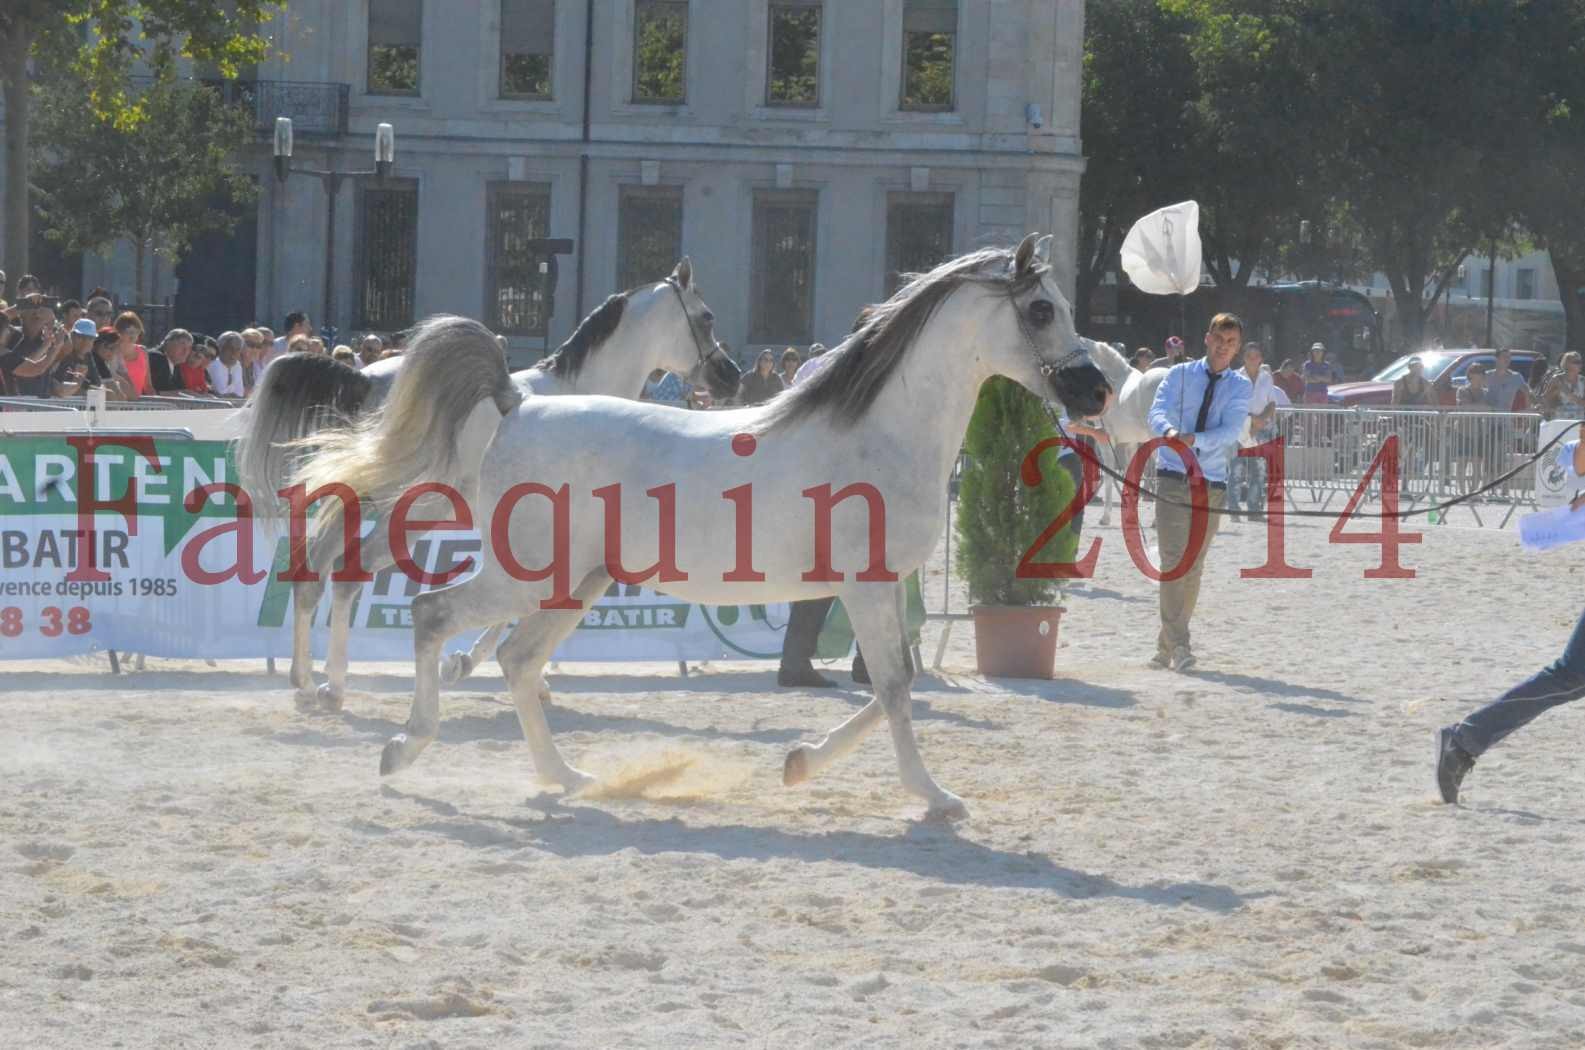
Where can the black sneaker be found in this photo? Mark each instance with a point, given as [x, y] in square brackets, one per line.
[1452, 763]
[805, 677]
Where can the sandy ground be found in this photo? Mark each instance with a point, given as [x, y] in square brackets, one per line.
[1247, 856]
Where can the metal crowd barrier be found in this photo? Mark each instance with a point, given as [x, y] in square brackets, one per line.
[147, 403]
[1441, 455]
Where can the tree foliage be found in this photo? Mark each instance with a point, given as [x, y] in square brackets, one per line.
[1000, 517]
[100, 42]
[159, 183]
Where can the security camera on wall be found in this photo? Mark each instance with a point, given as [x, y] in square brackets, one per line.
[1032, 114]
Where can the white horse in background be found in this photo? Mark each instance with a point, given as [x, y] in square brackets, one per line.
[310, 409]
[873, 439]
[1126, 420]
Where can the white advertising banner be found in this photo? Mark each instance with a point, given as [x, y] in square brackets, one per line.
[161, 590]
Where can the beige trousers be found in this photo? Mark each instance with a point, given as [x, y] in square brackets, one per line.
[1178, 597]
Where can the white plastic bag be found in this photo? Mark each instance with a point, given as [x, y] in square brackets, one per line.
[1161, 254]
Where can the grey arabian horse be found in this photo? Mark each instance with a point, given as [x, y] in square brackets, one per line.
[836, 488]
[310, 411]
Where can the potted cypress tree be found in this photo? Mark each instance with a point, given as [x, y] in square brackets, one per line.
[999, 518]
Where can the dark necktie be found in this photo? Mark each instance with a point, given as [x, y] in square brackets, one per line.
[1205, 402]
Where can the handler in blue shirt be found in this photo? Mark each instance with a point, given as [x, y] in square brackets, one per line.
[1203, 404]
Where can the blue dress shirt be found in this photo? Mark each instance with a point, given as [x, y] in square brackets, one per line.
[1177, 407]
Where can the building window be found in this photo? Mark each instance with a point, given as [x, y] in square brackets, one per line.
[660, 51]
[792, 74]
[648, 234]
[528, 30]
[1524, 283]
[918, 234]
[395, 36]
[783, 279]
[930, 40]
[516, 213]
[387, 256]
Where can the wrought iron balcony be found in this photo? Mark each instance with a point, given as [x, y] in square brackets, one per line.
[318, 108]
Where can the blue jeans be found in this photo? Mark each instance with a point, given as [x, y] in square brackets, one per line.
[1246, 480]
[1558, 684]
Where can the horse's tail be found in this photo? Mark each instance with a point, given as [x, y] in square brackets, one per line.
[453, 369]
[299, 395]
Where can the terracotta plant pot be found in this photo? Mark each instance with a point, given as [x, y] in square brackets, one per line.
[1009, 641]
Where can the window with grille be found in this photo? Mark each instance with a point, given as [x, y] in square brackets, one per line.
[1524, 284]
[648, 234]
[930, 40]
[514, 299]
[783, 279]
[527, 47]
[792, 71]
[387, 256]
[660, 51]
[918, 234]
[395, 43]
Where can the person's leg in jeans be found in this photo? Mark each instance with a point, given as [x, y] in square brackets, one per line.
[1458, 746]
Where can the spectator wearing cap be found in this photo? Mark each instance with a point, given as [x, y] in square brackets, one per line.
[71, 375]
[165, 361]
[225, 371]
[130, 328]
[1319, 374]
[1173, 353]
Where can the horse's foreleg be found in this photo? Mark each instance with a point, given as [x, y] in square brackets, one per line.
[523, 657]
[437, 615]
[459, 665]
[305, 596]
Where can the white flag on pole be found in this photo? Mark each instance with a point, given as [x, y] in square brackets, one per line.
[1161, 254]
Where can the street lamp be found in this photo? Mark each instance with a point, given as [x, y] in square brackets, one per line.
[384, 159]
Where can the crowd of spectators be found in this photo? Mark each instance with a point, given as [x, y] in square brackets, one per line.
[62, 348]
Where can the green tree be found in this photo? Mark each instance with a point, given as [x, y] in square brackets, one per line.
[1000, 517]
[159, 182]
[100, 40]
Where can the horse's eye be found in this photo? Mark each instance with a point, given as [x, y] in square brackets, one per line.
[1042, 313]
[709, 317]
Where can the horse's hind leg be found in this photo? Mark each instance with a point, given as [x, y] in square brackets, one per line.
[876, 620]
[523, 657]
[305, 596]
[459, 665]
[333, 692]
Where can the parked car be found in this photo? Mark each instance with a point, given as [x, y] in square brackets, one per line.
[1446, 369]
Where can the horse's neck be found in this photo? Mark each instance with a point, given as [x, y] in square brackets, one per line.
[606, 370]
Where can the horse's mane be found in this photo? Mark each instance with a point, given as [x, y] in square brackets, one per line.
[592, 331]
[868, 357]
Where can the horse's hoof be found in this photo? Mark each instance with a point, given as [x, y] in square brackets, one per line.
[306, 698]
[575, 780]
[399, 753]
[946, 810]
[796, 769]
[330, 698]
[455, 667]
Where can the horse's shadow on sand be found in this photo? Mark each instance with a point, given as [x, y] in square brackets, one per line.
[931, 851]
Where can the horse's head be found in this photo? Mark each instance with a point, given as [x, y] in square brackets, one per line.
[1052, 361]
[684, 332]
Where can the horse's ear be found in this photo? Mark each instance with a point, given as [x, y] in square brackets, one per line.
[1026, 252]
[683, 273]
[1043, 250]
